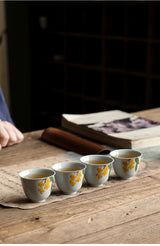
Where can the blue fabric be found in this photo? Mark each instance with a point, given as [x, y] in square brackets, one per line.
[4, 112]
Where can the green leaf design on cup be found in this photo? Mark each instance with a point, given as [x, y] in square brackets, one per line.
[110, 167]
[137, 163]
[51, 179]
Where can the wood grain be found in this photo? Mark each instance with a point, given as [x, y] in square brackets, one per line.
[32, 148]
[78, 219]
[127, 213]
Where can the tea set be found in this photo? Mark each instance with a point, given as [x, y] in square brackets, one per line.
[37, 183]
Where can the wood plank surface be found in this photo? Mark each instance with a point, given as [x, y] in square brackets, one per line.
[32, 148]
[128, 213]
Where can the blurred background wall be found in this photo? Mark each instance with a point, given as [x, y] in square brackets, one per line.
[81, 57]
[4, 75]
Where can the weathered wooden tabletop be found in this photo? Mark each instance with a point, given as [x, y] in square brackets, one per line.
[124, 214]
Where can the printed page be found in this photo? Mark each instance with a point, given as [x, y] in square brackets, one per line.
[118, 124]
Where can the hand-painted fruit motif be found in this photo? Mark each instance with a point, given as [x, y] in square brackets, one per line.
[75, 178]
[44, 185]
[102, 171]
[130, 165]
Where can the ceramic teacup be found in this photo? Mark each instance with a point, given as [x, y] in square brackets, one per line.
[126, 162]
[37, 183]
[98, 168]
[69, 176]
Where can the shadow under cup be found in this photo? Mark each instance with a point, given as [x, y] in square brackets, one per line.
[126, 162]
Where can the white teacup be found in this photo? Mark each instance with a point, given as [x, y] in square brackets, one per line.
[126, 162]
[37, 183]
[69, 176]
[98, 168]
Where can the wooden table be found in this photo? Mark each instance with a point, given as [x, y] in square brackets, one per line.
[123, 214]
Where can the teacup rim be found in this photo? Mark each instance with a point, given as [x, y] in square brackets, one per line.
[97, 155]
[32, 169]
[72, 162]
[138, 153]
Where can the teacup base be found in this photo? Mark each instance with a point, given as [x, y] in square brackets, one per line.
[70, 193]
[125, 178]
[92, 185]
[38, 201]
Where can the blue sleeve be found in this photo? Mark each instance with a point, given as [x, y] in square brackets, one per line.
[4, 112]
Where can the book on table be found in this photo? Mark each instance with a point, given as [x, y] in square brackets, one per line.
[114, 128]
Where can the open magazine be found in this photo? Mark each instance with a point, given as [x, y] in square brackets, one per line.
[115, 128]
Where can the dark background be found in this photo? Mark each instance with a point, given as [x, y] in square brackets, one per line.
[88, 57]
